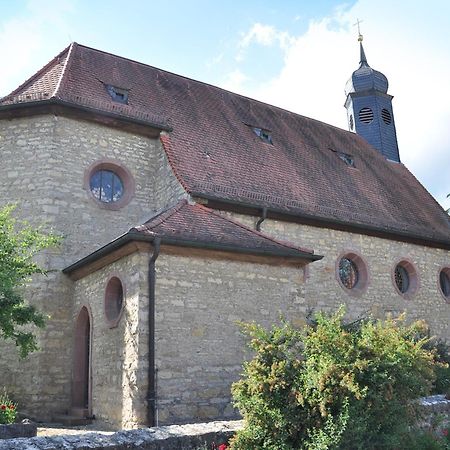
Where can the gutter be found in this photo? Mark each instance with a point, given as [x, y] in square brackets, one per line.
[89, 109]
[136, 236]
[338, 224]
[152, 411]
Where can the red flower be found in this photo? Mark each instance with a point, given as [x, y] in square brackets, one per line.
[11, 406]
[445, 432]
[3, 407]
[223, 447]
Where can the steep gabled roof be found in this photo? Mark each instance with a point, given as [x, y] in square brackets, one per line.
[215, 153]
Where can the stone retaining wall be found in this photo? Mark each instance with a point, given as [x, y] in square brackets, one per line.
[173, 437]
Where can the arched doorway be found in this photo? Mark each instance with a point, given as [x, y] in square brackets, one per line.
[81, 396]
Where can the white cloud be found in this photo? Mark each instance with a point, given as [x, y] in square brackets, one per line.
[235, 80]
[265, 35]
[23, 38]
[411, 49]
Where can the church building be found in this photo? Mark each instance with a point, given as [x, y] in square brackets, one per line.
[185, 209]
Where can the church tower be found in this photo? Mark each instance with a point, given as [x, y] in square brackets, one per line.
[369, 108]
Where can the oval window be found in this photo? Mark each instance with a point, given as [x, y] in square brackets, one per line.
[114, 301]
[405, 279]
[444, 282]
[386, 116]
[348, 273]
[401, 279]
[106, 186]
[366, 115]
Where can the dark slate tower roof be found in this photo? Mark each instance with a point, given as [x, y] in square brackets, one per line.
[241, 153]
[365, 78]
[369, 108]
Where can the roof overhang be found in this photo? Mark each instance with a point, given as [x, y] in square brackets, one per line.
[139, 240]
[313, 220]
[86, 112]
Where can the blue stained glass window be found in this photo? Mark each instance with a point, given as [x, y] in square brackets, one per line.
[106, 186]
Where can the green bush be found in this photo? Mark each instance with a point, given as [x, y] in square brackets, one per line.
[331, 385]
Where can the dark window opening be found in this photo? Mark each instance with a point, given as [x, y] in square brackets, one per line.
[263, 134]
[401, 279]
[348, 159]
[444, 282]
[348, 273]
[117, 94]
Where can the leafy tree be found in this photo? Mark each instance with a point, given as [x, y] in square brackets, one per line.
[19, 243]
[332, 385]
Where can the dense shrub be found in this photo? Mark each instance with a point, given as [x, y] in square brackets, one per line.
[331, 385]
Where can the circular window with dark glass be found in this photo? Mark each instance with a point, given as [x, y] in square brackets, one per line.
[348, 273]
[106, 186]
[444, 282]
[401, 278]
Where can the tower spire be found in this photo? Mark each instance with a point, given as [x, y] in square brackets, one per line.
[369, 106]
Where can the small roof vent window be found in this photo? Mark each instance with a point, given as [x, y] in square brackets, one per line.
[348, 159]
[118, 95]
[264, 135]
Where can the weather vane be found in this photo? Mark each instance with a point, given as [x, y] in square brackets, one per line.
[360, 36]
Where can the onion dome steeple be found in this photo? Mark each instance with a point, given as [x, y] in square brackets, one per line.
[369, 107]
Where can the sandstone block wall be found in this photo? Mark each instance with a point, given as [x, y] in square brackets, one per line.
[43, 162]
[323, 291]
[200, 298]
[120, 354]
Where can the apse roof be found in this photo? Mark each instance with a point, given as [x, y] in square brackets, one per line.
[215, 153]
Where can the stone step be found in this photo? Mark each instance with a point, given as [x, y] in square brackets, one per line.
[71, 421]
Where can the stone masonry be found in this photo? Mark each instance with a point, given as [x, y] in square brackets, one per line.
[44, 159]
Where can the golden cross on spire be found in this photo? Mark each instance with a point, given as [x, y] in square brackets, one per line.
[360, 36]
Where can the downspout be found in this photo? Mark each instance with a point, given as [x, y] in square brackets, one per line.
[151, 392]
[262, 219]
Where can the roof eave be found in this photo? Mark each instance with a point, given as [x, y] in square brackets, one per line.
[333, 223]
[164, 240]
[87, 109]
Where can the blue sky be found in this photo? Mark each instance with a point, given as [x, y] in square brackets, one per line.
[295, 54]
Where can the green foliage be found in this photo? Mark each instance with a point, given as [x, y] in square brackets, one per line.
[8, 410]
[442, 355]
[19, 242]
[332, 386]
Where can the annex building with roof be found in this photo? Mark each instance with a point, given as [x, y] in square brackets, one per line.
[185, 208]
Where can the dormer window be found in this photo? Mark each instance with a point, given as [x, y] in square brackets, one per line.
[118, 95]
[264, 135]
[348, 159]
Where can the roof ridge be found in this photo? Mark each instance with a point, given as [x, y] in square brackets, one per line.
[67, 64]
[215, 87]
[162, 216]
[286, 244]
[35, 76]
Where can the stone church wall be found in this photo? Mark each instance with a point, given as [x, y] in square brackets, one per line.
[324, 292]
[200, 298]
[119, 354]
[43, 164]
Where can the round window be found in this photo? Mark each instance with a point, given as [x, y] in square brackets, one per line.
[404, 277]
[352, 273]
[444, 282]
[348, 273]
[401, 279]
[106, 186]
[114, 301]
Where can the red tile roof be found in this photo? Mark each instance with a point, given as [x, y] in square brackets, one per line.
[215, 154]
[198, 225]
